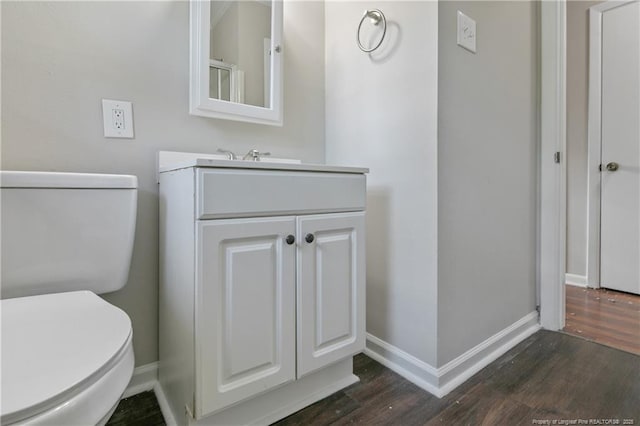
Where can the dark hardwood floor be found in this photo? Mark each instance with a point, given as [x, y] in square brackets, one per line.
[139, 410]
[604, 316]
[549, 376]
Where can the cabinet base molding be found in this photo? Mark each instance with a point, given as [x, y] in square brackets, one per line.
[277, 403]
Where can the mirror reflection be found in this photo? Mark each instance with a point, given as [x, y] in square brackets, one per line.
[240, 52]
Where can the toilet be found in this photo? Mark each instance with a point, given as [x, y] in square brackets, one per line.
[67, 354]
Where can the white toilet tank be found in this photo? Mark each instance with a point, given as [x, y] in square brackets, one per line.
[65, 231]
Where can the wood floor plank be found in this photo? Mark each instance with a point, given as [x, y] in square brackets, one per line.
[483, 406]
[598, 306]
[326, 411]
[626, 310]
[607, 329]
[604, 316]
[621, 317]
[603, 297]
[139, 410]
[548, 376]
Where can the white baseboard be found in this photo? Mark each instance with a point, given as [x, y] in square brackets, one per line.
[576, 280]
[144, 379]
[460, 369]
[164, 405]
[411, 368]
[441, 381]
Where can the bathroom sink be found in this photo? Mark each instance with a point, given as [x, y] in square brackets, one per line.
[166, 158]
[266, 159]
[172, 160]
[271, 160]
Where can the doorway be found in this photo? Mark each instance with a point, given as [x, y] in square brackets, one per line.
[603, 172]
[614, 147]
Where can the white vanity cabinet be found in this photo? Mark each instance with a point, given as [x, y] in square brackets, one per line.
[262, 287]
[245, 304]
[330, 278]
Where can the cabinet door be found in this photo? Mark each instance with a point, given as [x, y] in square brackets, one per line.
[331, 289]
[245, 309]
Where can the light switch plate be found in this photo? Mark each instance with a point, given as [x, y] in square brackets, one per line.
[466, 32]
[117, 119]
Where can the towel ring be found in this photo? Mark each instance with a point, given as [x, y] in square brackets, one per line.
[376, 16]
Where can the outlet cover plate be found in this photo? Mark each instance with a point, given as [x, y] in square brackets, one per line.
[466, 32]
[117, 119]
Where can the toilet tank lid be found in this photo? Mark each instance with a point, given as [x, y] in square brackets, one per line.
[21, 179]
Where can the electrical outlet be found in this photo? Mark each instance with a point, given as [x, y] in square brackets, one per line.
[118, 119]
[466, 32]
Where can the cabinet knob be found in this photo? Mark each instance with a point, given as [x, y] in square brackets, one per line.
[309, 238]
[290, 239]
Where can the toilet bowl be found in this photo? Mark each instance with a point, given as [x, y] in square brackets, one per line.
[67, 354]
[88, 362]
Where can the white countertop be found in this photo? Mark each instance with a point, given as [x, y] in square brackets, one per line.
[168, 161]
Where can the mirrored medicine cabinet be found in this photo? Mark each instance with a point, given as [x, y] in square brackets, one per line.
[236, 60]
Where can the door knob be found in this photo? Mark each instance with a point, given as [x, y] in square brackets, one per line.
[309, 238]
[290, 239]
[612, 167]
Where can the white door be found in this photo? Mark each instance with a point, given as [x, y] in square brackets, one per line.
[245, 309]
[331, 289]
[620, 196]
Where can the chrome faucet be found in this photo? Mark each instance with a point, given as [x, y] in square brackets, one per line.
[230, 154]
[255, 155]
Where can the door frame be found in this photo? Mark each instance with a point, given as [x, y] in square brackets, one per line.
[594, 138]
[552, 196]
[552, 190]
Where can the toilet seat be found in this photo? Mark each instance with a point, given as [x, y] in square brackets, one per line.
[64, 352]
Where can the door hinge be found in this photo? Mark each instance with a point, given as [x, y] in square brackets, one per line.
[556, 157]
[600, 167]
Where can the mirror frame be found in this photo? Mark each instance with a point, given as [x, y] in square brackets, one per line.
[199, 101]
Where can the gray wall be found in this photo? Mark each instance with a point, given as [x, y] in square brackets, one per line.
[449, 137]
[577, 90]
[487, 173]
[451, 224]
[382, 113]
[59, 59]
